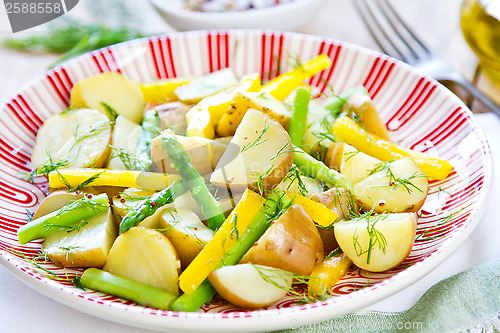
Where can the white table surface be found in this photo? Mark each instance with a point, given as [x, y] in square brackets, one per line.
[23, 309]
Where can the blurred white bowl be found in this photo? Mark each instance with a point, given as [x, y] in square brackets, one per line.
[291, 16]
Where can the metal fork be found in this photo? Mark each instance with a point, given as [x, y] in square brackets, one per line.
[396, 39]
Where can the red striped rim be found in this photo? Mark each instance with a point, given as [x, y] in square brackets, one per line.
[425, 109]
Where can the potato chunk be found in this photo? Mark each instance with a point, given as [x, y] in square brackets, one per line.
[76, 139]
[147, 256]
[186, 232]
[87, 245]
[292, 243]
[125, 136]
[204, 154]
[397, 187]
[113, 89]
[377, 243]
[258, 156]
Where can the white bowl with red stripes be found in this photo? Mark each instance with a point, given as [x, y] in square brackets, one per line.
[421, 114]
[288, 16]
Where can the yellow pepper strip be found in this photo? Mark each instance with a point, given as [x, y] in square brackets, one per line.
[162, 90]
[319, 213]
[346, 130]
[281, 86]
[208, 259]
[325, 275]
[203, 117]
[105, 177]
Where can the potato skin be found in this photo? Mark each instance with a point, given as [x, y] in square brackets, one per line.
[339, 202]
[292, 243]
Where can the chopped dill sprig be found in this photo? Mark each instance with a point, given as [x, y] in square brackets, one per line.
[80, 203]
[396, 182]
[87, 182]
[258, 140]
[29, 216]
[235, 233]
[375, 236]
[422, 237]
[259, 184]
[98, 128]
[112, 112]
[42, 258]
[129, 160]
[295, 175]
[335, 252]
[47, 167]
[69, 251]
[273, 275]
[70, 228]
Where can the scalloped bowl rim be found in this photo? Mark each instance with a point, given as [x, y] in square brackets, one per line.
[272, 319]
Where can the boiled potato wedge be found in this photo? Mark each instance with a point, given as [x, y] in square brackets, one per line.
[252, 100]
[204, 154]
[113, 89]
[292, 243]
[173, 115]
[205, 86]
[362, 105]
[147, 256]
[397, 187]
[186, 232]
[377, 243]
[258, 156]
[124, 137]
[74, 139]
[356, 165]
[86, 245]
[249, 286]
[57, 200]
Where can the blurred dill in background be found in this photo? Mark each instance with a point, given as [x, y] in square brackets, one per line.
[100, 23]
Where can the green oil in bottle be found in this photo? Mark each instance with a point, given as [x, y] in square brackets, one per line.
[480, 21]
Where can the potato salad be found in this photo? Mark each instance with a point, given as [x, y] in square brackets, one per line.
[170, 192]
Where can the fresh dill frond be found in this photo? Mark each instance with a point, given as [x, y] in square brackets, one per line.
[442, 221]
[112, 112]
[47, 167]
[98, 128]
[87, 181]
[258, 140]
[396, 182]
[129, 160]
[376, 238]
[235, 233]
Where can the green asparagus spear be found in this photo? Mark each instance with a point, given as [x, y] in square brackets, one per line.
[193, 301]
[275, 205]
[317, 169]
[137, 292]
[210, 208]
[297, 125]
[68, 215]
[150, 130]
[149, 207]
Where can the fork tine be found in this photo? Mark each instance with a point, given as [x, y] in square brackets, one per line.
[404, 26]
[376, 30]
